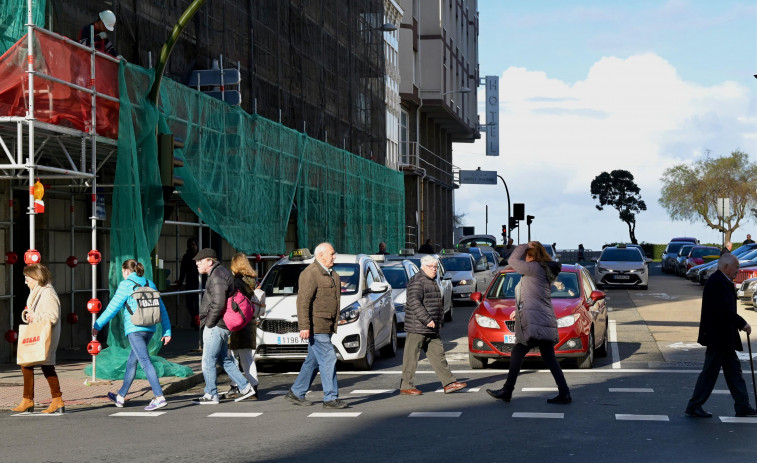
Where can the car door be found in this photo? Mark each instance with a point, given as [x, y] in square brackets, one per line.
[597, 310]
[445, 286]
[379, 304]
[482, 273]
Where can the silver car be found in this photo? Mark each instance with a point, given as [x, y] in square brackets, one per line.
[621, 266]
[747, 291]
[397, 274]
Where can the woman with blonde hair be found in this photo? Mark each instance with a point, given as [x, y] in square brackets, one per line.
[535, 321]
[42, 305]
[243, 342]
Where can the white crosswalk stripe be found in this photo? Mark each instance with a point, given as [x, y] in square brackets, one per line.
[335, 415]
[467, 389]
[631, 389]
[539, 389]
[234, 415]
[140, 414]
[373, 391]
[435, 415]
[736, 419]
[629, 417]
[538, 415]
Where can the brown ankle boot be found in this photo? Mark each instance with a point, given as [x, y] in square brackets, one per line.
[56, 406]
[26, 405]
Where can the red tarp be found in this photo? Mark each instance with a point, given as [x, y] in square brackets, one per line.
[53, 102]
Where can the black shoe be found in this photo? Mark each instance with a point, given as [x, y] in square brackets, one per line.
[232, 393]
[296, 400]
[335, 404]
[501, 394]
[699, 412]
[748, 412]
[560, 399]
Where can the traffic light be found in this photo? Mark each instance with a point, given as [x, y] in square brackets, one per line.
[504, 233]
[513, 223]
[168, 161]
[529, 219]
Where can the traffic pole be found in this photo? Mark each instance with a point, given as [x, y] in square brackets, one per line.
[751, 365]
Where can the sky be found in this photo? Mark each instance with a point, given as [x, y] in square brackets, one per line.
[592, 86]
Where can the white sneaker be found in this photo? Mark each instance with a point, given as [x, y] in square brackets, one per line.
[207, 399]
[156, 403]
[249, 391]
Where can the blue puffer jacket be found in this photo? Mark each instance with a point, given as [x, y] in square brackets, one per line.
[117, 304]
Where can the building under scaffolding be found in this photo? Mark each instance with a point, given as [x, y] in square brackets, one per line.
[318, 68]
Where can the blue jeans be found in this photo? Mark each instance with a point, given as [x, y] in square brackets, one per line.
[321, 357]
[139, 342]
[215, 350]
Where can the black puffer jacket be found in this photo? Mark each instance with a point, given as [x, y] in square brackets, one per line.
[217, 290]
[424, 304]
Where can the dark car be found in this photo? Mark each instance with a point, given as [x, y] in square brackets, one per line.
[668, 258]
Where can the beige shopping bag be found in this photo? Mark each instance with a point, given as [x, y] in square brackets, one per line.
[33, 343]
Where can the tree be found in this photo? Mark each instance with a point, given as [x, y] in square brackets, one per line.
[617, 189]
[691, 192]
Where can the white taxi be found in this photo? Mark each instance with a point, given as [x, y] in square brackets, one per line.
[366, 320]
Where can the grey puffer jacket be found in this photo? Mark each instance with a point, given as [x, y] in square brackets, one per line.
[217, 290]
[424, 304]
[535, 318]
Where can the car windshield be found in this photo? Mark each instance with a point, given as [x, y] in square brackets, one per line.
[490, 257]
[749, 255]
[701, 252]
[283, 280]
[676, 246]
[480, 241]
[396, 276]
[621, 255]
[457, 264]
[684, 251]
[564, 287]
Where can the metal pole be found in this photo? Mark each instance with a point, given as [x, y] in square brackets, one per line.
[751, 364]
[509, 229]
[10, 272]
[30, 118]
[73, 251]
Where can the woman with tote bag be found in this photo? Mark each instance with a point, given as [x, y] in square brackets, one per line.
[42, 306]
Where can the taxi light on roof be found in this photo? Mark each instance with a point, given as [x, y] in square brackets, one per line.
[621, 246]
[300, 254]
[377, 257]
[448, 251]
[407, 252]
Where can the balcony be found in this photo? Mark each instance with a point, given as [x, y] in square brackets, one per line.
[416, 159]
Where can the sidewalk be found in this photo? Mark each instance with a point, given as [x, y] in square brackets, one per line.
[183, 349]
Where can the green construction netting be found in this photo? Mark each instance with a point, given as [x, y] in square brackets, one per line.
[136, 217]
[13, 17]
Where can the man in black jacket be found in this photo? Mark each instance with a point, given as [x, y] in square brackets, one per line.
[719, 331]
[424, 310]
[215, 336]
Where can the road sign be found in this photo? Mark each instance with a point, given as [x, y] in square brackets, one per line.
[213, 77]
[478, 177]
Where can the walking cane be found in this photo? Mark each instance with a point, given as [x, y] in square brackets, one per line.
[751, 364]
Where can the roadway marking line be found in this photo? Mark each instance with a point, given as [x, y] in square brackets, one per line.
[466, 389]
[627, 417]
[498, 371]
[147, 414]
[280, 392]
[335, 415]
[539, 389]
[630, 389]
[435, 415]
[721, 391]
[538, 415]
[37, 414]
[612, 336]
[373, 391]
[736, 419]
[234, 415]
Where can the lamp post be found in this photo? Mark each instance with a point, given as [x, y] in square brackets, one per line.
[419, 193]
[509, 228]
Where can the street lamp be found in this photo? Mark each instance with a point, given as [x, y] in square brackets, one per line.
[388, 27]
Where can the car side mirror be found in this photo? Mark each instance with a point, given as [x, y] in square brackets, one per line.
[597, 295]
[476, 297]
[378, 287]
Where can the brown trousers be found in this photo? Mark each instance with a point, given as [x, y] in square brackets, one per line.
[50, 375]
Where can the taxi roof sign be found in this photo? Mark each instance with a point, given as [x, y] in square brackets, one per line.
[300, 254]
[407, 252]
[449, 251]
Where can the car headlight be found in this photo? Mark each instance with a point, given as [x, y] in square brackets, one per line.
[463, 282]
[349, 314]
[637, 270]
[399, 307]
[567, 321]
[486, 322]
[601, 269]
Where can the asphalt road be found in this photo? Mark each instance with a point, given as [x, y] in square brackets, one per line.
[629, 407]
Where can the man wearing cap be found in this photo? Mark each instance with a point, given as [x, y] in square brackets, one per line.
[215, 336]
[106, 22]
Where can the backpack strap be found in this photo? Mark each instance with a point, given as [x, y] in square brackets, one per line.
[126, 303]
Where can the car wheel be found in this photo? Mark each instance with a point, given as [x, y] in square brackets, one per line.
[587, 361]
[390, 350]
[477, 363]
[366, 363]
[603, 349]
[448, 315]
[644, 287]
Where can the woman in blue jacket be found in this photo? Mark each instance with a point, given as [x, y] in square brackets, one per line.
[139, 336]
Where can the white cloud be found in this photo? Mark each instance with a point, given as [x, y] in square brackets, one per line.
[636, 114]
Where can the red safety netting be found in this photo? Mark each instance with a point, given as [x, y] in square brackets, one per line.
[54, 102]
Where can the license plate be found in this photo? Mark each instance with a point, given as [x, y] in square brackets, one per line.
[509, 339]
[622, 277]
[291, 340]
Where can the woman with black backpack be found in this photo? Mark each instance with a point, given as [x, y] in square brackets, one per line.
[124, 302]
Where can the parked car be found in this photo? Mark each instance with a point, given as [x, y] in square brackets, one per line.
[744, 253]
[367, 322]
[467, 274]
[746, 291]
[443, 278]
[667, 261]
[699, 255]
[683, 255]
[397, 274]
[621, 266]
[493, 258]
[480, 240]
[580, 309]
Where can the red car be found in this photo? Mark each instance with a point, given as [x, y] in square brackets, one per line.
[581, 313]
[700, 255]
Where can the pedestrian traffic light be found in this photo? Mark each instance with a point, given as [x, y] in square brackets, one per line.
[168, 161]
[529, 219]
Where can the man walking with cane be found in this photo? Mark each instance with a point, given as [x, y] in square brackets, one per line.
[719, 331]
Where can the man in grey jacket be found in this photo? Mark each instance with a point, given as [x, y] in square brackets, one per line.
[424, 310]
[215, 336]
